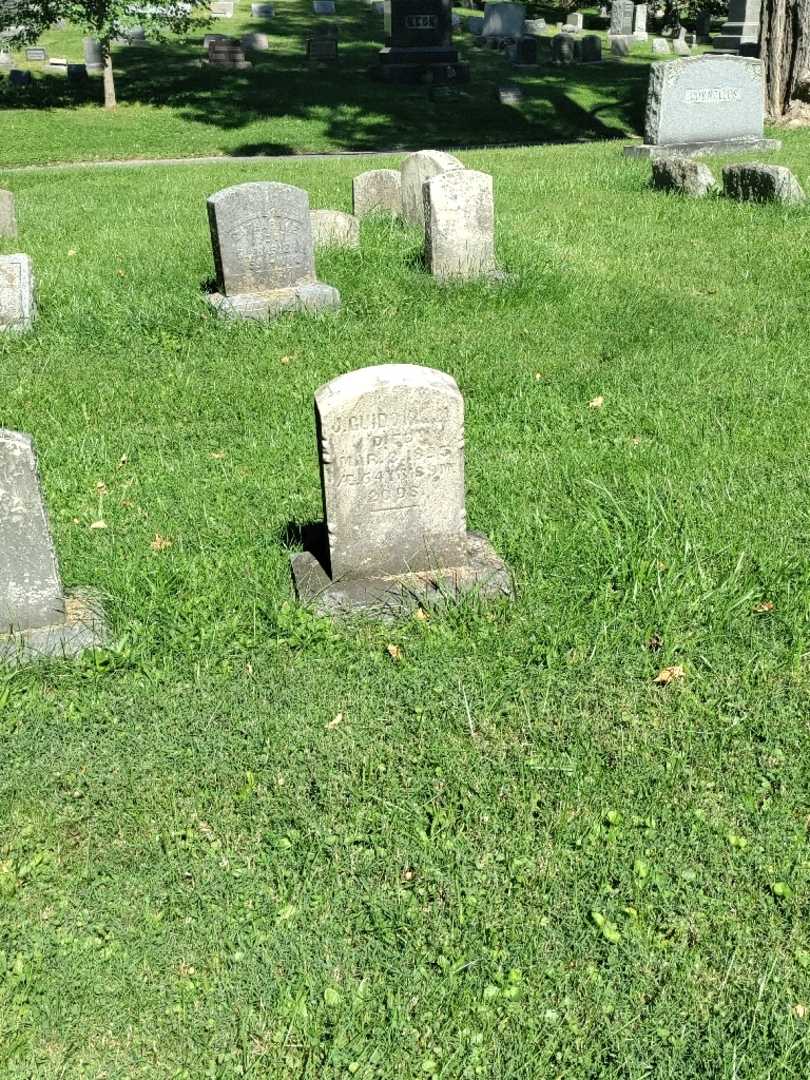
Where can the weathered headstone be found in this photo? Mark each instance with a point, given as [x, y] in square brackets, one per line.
[620, 46]
[391, 443]
[535, 27]
[682, 175]
[6, 59]
[18, 307]
[621, 18]
[762, 183]
[475, 25]
[526, 51]
[257, 42]
[703, 26]
[419, 44]
[504, 20]
[323, 7]
[36, 55]
[322, 50]
[261, 11]
[226, 53]
[263, 252]
[660, 45]
[213, 37]
[562, 49]
[378, 190]
[222, 9]
[333, 228]
[576, 20]
[704, 104]
[741, 27]
[416, 169]
[591, 49]
[510, 94]
[8, 214]
[680, 48]
[460, 225]
[93, 60]
[19, 78]
[36, 619]
[640, 22]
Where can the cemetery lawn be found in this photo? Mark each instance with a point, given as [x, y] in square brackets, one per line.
[244, 842]
[170, 106]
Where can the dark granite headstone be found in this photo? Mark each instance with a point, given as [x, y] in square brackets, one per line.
[323, 50]
[420, 44]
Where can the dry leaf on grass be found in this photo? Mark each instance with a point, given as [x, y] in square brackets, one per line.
[421, 615]
[764, 608]
[98, 524]
[596, 403]
[394, 651]
[160, 543]
[334, 723]
[668, 674]
[217, 455]
[284, 360]
[800, 1010]
[655, 642]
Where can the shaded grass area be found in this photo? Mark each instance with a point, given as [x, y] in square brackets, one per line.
[247, 843]
[169, 106]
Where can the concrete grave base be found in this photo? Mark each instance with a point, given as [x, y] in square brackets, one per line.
[84, 628]
[702, 149]
[238, 65]
[311, 298]
[484, 573]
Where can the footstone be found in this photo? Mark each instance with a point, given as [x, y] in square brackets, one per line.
[509, 94]
[8, 214]
[621, 18]
[704, 105]
[391, 443]
[18, 307]
[377, 191]
[37, 56]
[620, 46]
[460, 226]
[261, 11]
[682, 175]
[416, 169]
[333, 228]
[93, 60]
[504, 20]
[591, 49]
[762, 183]
[36, 619]
[261, 235]
[19, 78]
[562, 49]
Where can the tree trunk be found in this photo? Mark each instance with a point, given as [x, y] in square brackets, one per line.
[785, 52]
[109, 80]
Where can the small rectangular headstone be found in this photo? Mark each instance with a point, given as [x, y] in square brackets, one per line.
[36, 55]
[378, 190]
[323, 7]
[76, 73]
[576, 20]
[8, 214]
[460, 225]
[322, 50]
[17, 293]
[504, 20]
[261, 11]
[19, 78]
[222, 9]
[621, 18]
[415, 170]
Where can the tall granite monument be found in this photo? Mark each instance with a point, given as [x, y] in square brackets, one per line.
[419, 44]
[741, 27]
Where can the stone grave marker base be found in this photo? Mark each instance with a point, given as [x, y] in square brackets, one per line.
[483, 573]
[84, 628]
[311, 298]
[701, 149]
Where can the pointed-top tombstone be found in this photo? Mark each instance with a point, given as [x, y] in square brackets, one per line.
[391, 442]
[35, 617]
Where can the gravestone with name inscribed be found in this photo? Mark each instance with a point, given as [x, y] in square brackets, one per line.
[460, 225]
[391, 442]
[621, 18]
[227, 53]
[419, 36]
[18, 307]
[703, 105]
[36, 619]
[261, 235]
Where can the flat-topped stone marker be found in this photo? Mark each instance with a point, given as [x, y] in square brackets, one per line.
[8, 214]
[222, 9]
[591, 49]
[416, 169]
[460, 226]
[621, 18]
[683, 176]
[323, 7]
[36, 618]
[754, 182]
[704, 105]
[18, 307]
[660, 45]
[377, 191]
[333, 228]
[391, 442]
[261, 235]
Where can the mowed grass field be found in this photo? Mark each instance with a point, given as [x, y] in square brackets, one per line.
[171, 106]
[245, 842]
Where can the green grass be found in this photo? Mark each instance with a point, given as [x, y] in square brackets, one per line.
[203, 871]
[169, 107]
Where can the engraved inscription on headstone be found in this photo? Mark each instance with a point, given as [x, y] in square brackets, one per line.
[377, 190]
[621, 18]
[17, 293]
[416, 169]
[459, 225]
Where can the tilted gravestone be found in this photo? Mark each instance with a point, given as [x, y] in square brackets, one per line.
[620, 46]
[416, 169]
[18, 307]
[679, 47]
[460, 225]
[378, 190]
[704, 104]
[333, 228]
[8, 214]
[660, 45]
[36, 618]
[682, 176]
[762, 183]
[263, 252]
[621, 18]
[391, 443]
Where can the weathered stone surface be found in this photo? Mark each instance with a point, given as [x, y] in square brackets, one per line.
[391, 442]
[704, 104]
[378, 190]
[591, 49]
[227, 53]
[93, 59]
[17, 293]
[416, 169]
[333, 228]
[535, 27]
[660, 45]
[222, 9]
[36, 55]
[36, 619]
[754, 182]
[620, 46]
[640, 22]
[323, 7]
[621, 18]
[8, 214]
[510, 94]
[563, 49]
[576, 20]
[261, 11]
[682, 175]
[261, 235]
[680, 48]
[256, 41]
[460, 225]
[504, 20]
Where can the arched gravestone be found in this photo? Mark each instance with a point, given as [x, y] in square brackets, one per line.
[391, 441]
[263, 252]
[376, 191]
[563, 49]
[36, 619]
[416, 169]
[704, 104]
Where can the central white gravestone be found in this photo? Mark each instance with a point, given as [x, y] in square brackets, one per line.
[391, 442]
[18, 307]
[460, 225]
[261, 234]
[416, 169]
[8, 215]
[36, 619]
[704, 105]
